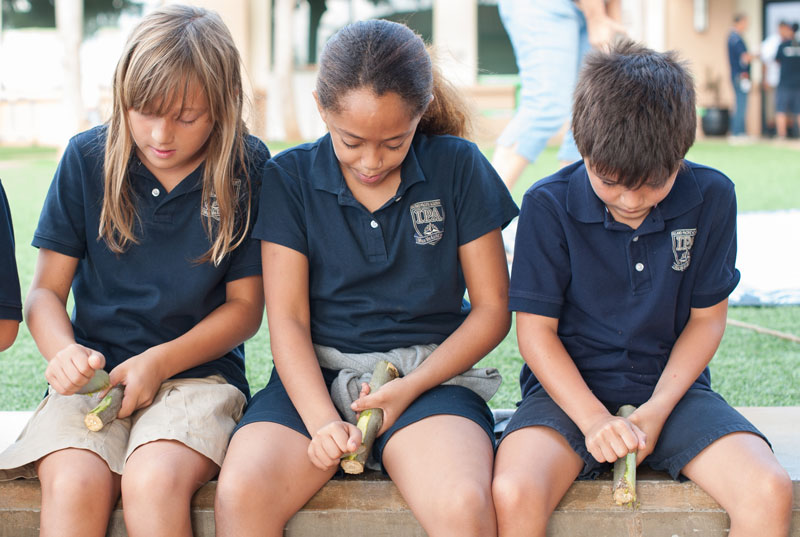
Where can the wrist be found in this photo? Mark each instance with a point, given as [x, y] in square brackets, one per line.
[154, 360]
[587, 420]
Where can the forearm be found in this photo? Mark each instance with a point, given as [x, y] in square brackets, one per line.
[484, 327]
[48, 322]
[297, 364]
[549, 361]
[8, 332]
[690, 355]
[223, 329]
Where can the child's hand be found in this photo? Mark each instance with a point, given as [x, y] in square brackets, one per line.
[141, 378]
[647, 419]
[72, 368]
[392, 398]
[331, 442]
[613, 437]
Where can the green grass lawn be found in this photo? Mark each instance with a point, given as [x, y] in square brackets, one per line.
[749, 369]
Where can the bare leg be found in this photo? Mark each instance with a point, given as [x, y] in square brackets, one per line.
[265, 479]
[78, 493]
[442, 466]
[509, 164]
[757, 496]
[158, 483]
[533, 469]
[781, 124]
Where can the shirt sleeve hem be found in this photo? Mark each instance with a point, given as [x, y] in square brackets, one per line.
[537, 307]
[61, 248]
[11, 313]
[243, 272]
[711, 299]
[284, 240]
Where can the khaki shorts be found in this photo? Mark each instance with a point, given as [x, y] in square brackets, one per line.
[199, 413]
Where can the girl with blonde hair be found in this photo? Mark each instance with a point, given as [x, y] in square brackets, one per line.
[148, 221]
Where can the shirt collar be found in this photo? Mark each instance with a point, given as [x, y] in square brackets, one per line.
[190, 183]
[326, 174]
[584, 205]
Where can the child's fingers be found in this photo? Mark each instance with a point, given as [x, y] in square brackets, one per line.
[128, 403]
[96, 360]
[364, 389]
[365, 402]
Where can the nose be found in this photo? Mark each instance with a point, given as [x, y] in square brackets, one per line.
[631, 199]
[371, 159]
[162, 130]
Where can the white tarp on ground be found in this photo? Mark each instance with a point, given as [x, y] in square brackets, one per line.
[768, 257]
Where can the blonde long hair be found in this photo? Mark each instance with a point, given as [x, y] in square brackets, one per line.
[170, 49]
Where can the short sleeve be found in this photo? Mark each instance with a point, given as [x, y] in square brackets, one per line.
[717, 274]
[281, 216]
[482, 200]
[10, 298]
[246, 258]
[62, 223]
[541, 270]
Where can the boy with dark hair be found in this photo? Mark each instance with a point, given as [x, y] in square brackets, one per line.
[622, 268]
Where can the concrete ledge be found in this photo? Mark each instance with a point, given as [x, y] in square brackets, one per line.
[371, 504]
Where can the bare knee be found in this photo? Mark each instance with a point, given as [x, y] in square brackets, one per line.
[238, 487]
[767, 500]
[516, 497]
[155, 484]
[74, 483]
[468, 500]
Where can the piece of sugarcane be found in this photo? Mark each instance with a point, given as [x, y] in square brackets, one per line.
[624, 487]
[369, 421]
[105, 412]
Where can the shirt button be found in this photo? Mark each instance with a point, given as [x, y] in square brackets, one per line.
[636, 239]
[373, 224]
[398, 198]
[639, 267]
[155, 192]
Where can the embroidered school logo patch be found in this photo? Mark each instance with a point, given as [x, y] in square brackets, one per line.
[213, 210]
[682, 241]
[428, 220]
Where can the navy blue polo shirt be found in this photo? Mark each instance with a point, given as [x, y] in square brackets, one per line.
[10, 300]
[155, 291]
[789, 56]
[391, 278]
[737, 47]
[623, 296]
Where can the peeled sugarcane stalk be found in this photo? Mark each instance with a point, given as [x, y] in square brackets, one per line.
[105, 412]
[624, 488]
[370, 421]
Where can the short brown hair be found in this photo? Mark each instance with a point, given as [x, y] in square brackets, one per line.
[634, 113]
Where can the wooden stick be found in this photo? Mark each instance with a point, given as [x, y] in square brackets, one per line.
[624, 487]
[762, 330]
[106, 411]
[370, 421]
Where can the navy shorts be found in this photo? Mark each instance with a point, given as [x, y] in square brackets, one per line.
[700, 417]
[272, 404]
[787, 100]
